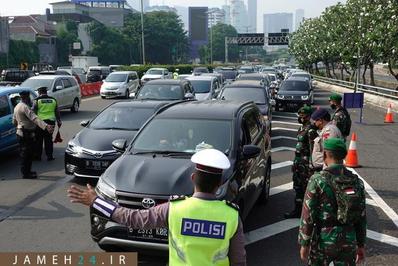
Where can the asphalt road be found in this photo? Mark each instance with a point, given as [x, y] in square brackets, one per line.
[35, 215]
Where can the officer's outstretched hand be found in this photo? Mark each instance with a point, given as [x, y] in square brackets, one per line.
[50, 129]
[83, 196]
[304, 252]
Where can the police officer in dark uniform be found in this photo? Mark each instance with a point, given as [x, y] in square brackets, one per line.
[219, 239]
[25, 120]
[46, 108]
[301, 164]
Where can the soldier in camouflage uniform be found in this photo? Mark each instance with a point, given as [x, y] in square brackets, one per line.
[301, 168]
[333, 219]
[340, 118]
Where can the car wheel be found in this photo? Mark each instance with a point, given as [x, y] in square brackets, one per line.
[127, 94]
[75, 106]
[264, 196]
[103, 97]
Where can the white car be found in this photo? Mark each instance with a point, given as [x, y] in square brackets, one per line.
[155, 73]
[64, 89]
[120, 84]
[205, 87]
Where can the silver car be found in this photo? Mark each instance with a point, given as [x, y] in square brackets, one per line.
[120, 84]
[205, 87]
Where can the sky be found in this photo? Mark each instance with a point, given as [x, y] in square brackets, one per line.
[312, 8]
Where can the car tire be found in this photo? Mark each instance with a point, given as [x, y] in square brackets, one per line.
[127, 94]
[264, 196]
[75, 106]
[103, 97]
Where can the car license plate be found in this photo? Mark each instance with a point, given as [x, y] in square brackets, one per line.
[97, 165]
[157, 233]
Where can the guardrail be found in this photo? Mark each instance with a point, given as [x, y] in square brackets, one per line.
[380, 91]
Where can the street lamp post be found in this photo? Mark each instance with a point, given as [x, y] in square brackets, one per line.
[142, 32]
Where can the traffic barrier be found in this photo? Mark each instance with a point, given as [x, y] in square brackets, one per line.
[389, 117]
[351, 160]
[89, 89]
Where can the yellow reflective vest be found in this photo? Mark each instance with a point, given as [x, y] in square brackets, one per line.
[200, 231]
[46, 108]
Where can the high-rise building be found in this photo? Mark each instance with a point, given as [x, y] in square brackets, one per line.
[239, 19]
[198, 29]
[278, 21]
[227, 10]
[216, 15]
[252, 12]
[299, 17]
[4, 35]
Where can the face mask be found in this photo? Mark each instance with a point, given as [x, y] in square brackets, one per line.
[333, 106]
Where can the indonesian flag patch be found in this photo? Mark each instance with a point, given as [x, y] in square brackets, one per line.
[325, 135]
[349, 191]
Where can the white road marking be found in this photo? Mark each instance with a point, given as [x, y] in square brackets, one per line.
[287, 123]
[91, 98]
[393, 241]
[283, 128]
[378, 200]
[286, 117]
[280, 165]
[281, 188]
[282, 137]
[270, 230]
[371, 202]
[283, 149]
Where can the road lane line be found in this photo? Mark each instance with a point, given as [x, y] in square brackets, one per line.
[287, 123]
[280, 165]
[283, 149]
[280, 189]
[282, 137]
[283, 128]
[378, 200]
[270, 230]
[371, 202]
[390, 240]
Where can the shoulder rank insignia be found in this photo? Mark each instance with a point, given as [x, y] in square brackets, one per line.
[232, 205]
[176, 197]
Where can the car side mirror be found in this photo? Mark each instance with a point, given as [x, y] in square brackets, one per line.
[59, 87]
[119, 145]
[189, 96]
[250, 151]
[84, 123]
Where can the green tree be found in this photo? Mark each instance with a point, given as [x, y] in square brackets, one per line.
[66, 36]
[20, 52]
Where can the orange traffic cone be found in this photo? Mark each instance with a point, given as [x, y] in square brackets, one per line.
[351, 160]
[389, 118]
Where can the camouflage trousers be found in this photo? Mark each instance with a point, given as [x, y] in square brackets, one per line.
[301, 175]
[333, 246]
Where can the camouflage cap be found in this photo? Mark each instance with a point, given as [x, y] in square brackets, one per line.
[335, 97]
[307, 110]
[335, 144]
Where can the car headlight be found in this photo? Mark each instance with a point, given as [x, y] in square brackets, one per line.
[105, 189]
[304, 97]
[281, 97]
[73, 148]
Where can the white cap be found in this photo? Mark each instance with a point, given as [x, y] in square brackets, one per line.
[210, 158]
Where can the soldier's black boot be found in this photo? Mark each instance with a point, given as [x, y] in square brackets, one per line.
[295, 213]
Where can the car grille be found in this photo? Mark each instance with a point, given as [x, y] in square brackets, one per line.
[132, 200]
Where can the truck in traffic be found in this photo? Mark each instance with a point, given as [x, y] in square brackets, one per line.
[84, 62]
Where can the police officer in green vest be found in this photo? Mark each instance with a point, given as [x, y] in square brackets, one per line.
[46, 108]
[202, 229]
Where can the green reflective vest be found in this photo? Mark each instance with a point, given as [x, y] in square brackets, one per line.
[200, 231]
[46, 108]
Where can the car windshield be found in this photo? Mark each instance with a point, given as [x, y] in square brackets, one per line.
[294, 85]
[201, 86]
[160, 92]
[154, 72]
[94, 72]
[244, 94]
[201, 70]
[36, 83]
[251, 78]
[303, 75]
[229, 74]
[184, 135]
[122, 118]
[116, 78]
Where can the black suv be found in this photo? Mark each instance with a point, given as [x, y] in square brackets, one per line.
[13, 77]
[157, 164]
[166, 90]
[294, 93]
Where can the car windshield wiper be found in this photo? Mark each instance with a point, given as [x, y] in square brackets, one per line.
[165, 153]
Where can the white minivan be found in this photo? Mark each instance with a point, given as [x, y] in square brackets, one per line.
[120, 84]
[64, 89]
